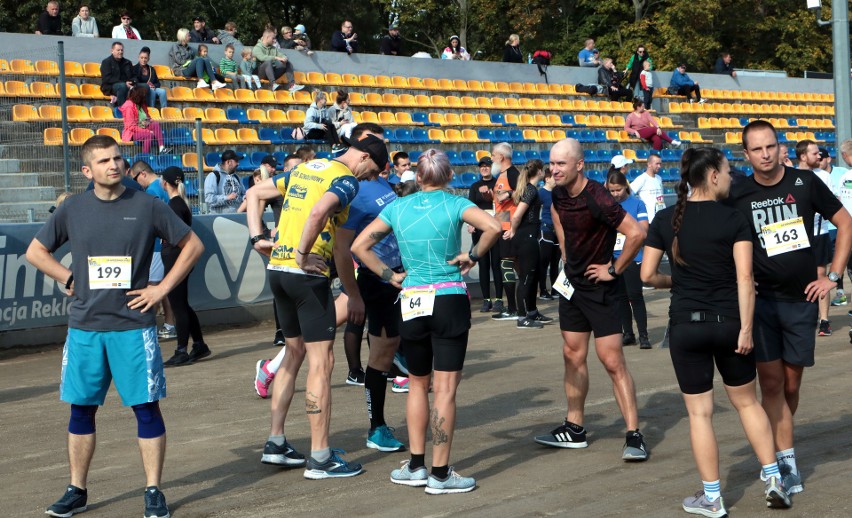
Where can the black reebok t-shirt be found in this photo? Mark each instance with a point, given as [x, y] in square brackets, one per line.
[706, 242]
[532, 217]
[798, 194]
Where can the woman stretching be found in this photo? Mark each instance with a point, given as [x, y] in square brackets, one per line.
[712, 307]
[435, 309]
[641, 124]
[137, 121]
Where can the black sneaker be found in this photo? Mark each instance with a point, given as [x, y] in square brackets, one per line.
[155, 503]
[644, 341]
[824, 328]
[529, 323]
[498, 307]
[179, 358]
[73, 501]
[278, 341]
[634, 447]
[284, 456]
[545, 296]
[355, 377]
[199, 351]
[505, 315]
[486, 306]
[628, 339]
[538, 317]
[566, 435]
[334, 467]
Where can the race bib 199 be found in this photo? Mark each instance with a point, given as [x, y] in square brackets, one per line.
[109, 273]
[417, 302]
[784, 236]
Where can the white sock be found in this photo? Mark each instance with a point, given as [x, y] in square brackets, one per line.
[712, 490]
[788, 457]
[273, 366]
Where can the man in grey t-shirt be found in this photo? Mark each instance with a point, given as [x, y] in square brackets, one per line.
[112, 335]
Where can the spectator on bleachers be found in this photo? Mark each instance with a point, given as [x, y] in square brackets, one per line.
[229, 69]
[286, 41]
[610, 79]
[49, 22]
[303, 42]
[392, 42]
[217, 79]
[273, 63]
[642, 125]
[200, 33]
[636, 65]
[223, 190]
[646, 84]
[340, 114]
[84, 25]
[345, 40]
[138, 125]
[185, 63]
[455, 50]
[125, 31]
[512, 51]
[588, 56]
[145, 74]
[248, 67]
[317, 125]
[724, 66]
[228, 35]
[117, 75]
[682, 84]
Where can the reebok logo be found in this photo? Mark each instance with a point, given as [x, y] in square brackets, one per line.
[767, 203]
[790, 199]
[799, 182]
[238, 268]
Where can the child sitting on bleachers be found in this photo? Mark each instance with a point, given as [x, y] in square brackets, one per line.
[228, 68]
[218, 80]
[247, 68]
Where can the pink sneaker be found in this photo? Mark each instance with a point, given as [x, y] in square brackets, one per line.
[263, 378]
[400, 385]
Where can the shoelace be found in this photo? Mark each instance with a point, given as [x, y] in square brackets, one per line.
[387, 432]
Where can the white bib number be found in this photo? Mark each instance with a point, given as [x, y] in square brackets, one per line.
[109, 273]
[619, 242]
[563, 286]
[784, 236]
[660, 204]
[417, 302]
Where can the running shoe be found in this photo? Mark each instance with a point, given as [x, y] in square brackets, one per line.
[634, 447]
[839, 299]
[284, 455]
[178, 359]
[199, 351]
[644, 341]
[406, 477]
[546, 296]
[824, 328]
[505, 315]
[334, 467]
[792, 482]
[628, 339]
[73, 501]
[381, 438]
[486, 306]
[400, 385]
[295, 88]
[566, 435]
[529, 323]
[217, 85]
[454, 483]
[167, 332]
[702, 101]
[698, 504]
[776, 496]
[538, 317]
[155, 503]
[262, 378]
[355, 377]
[202, 84]
[676, 142]
[400, 363]
[498, 306]
[278, 341]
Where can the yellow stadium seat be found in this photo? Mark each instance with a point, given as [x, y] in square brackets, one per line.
[172, 114]
[537, 88]
[704, 122]
[72, 91]
[40, 89]
[438, 101]
[407, 100]
[79, 136]
[47, 68]
[390, 100]
[248, 136]
[92, 69]
[482, 153]
[74, 69]
[277, 116]
[256, 114]
[261, 96]
[453, 101]
[92, 91]
[451, 119]
[53, 136]
[384, 82]
[164, 72]
[531, 134]
[556, 89]
[207, 136]
[469, 135]
[356, 99]
[78, 114]
[527, 103]
[516, 88]
[499, 103]
[333, 79]
[400, 82]
[482, 119]
[49, 112]
[216, 115]
[733, 137]
[451, 135]
[24, 113]
[468, 102]
[554, 120]
[558, 134]
[193, 113]
[226, 136]
[350, 80]
[468, 119]
[22, 66]
[315, 78]
[114, 133]
[540, 104]
[301, 97]
[17, 89]
[102, 114]
[404, 119]
[176, 93]
[515, 104]
[594, 121]
[387, 119]
[415, 83]
[460, 85]
[373, 99]
[244, 95]
[423, 101]
[542, 135]
[474, 85]
[512, 118]
[629, 154]
[436, 118]
[225, 95]
[484, 103]
[190, 161]
[606, 121]
[369, 116]
[502, 86]
[525, 119]
[367, 80]
[203, 95]
[488, 86]
[694, 136]
[618, 120]
[436, 134]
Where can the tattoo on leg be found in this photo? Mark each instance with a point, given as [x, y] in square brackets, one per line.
[311, 406]
[439, 435]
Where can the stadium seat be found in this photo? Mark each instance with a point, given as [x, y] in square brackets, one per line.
[436, 135]
[415, 83]
[79, 135]
[179, 137]
[419, 136]
[102, 114]
[421, 118]
[190, 162]
[590, 156]
[455, 160]
[249, 136]
[451, 119]
[468, 157]
[469, 136]
[545, 156]
[271, 135]
[402, 135]
[24, 113]
[532, 155]
[73, 69]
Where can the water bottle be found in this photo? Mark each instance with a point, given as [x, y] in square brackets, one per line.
[529, 58]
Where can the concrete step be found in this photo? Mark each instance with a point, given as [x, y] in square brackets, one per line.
[8, 165]
[18, 212]
[14, 180]
[27, 194]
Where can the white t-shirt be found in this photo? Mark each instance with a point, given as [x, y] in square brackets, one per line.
[844, 190]
[650, 190]
[821, 224]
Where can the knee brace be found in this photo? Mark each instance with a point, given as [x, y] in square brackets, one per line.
[82, 420]
[507, 266]
[149, 420]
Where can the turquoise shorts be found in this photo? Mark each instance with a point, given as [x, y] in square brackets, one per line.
[93, 359]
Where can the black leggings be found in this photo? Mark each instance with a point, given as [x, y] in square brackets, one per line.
[186, 321]
[489, 266]
[329, 135]
[549, 259]
[526, 264]
[695, 347]
[630, 295]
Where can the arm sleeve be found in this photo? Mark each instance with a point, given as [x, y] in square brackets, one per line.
[387, 214]
[337, 41]
[529, 195]
[462, 205]
[54, 232]
[282, 181]
[75, 26]
[346, 188]
[742, 232]
[117, 33]
[825, 202]
[641, 210]
[642, 81]
[654, 238]
[637, 184]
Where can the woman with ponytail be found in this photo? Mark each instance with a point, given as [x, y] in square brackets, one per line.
[710, 318]
[186, 321]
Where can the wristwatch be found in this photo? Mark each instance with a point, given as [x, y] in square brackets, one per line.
[256, 238]
[833, 277]
[611, 271]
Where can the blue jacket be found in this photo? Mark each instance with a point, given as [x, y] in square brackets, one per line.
[679, 79]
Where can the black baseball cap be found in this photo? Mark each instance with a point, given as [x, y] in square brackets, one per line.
[199, 19]
[486, 160]
[270, 160]
[372, 145]
[173, 175]
[823, 153]
[230, 154]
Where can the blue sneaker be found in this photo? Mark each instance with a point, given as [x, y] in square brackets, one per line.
[406, 477]
[381, 438]
[155, 503]
[792, 482]
[334, 467]
[285, 456]
[72, 502]
[454, 483]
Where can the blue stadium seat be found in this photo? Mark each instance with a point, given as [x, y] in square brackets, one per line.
[422, 118]
[574, 134]
[498, 118]
[743, 121]
[598, 176]
[485, 134]
[748, 170]
[420, 136]
[633, 174]
[454, 158]
[469, 179]
[468, 158]
[212, 158]
[191, 186]
[668, 155]
[167, 161]
[179, 137]
[589, 156]
[518, 157]
[587, 136]
[245, 181]
[545, 155]
[532, 155]
[518, 136]
[605, 155]
[239, 115]
[403, 135]
[280, 157]
[568, 120]
[245, 164]
[456, 182]
[413, 156]
[600, 136]
[792, 122]
[271, 135]
[642, 154]
[117, 114]
[501, 136]
[145, 157]
[393, 179]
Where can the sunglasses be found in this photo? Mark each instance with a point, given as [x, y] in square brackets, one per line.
[137, 175]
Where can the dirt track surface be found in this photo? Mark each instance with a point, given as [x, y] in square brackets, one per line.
[511, 390]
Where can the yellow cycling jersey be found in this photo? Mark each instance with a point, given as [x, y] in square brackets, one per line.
[302, 188]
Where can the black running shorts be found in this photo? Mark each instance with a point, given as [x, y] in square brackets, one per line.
[594, 310]
[305, 305]
[785, 330]
[440, 339]
[380, 302]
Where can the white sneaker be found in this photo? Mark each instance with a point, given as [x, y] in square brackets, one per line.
[217, 85]
[295, 88]
[202, 84]
[275, 86]
[676, 143]
[702, 101]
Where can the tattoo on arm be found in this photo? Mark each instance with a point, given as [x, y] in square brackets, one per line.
[378, 236]
[439, 435]
[311, 406]
[387, 273]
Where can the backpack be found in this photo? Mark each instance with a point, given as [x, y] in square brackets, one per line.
[542, 58]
